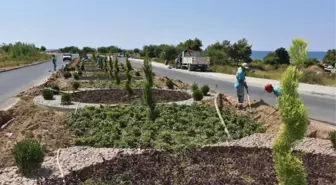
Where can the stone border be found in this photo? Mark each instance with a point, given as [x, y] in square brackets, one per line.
[56, 103]
[79, 163]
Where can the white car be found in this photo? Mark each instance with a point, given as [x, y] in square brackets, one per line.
[67, 57]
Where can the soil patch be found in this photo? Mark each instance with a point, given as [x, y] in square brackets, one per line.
[114, 96]
[5, 116]
[31, 121]
[106, 77]
[269, 116]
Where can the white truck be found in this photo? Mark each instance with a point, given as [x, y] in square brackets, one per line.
[192, 60]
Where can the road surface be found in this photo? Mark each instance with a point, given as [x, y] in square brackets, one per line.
[321, 108]
[14, 81]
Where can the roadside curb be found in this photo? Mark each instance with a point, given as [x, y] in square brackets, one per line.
[11, 69]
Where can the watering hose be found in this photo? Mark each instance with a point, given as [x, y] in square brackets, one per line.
[221, 118]
[59, 165]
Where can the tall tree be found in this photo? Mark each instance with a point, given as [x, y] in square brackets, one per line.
[282, 55]
[330, 57]
[43, 48]
[240, 51]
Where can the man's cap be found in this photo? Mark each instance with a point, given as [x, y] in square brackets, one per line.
[245, 65]
[268, 88]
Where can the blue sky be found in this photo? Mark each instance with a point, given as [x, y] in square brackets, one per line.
[267, 24]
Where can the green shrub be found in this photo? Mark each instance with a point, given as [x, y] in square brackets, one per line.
[80, 73]
[170, 84]
[205, 89]
[75, 85]
[194, 86]
[197, 95]
[66, 74]
[116, 71]
[148, 97]
[137, 73]
[56, 89]
[47, 94]
[66, 99]
[28, 155]
[175, 127]
[311, 78]
[289, 168]
[75, 75]
[332, 137]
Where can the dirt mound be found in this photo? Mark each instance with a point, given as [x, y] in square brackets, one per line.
[47, 126]
[161, 82]
[74, 62]
[113, 96]
[5, 116]
[269, 116]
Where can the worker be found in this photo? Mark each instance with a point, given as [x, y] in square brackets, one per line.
[270, 89]
[54, 61]
[98, 61]
[240, 84]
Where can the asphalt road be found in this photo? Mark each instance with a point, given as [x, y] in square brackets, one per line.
[14, 81]
[321, 108]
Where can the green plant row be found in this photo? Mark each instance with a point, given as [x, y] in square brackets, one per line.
[175, 126]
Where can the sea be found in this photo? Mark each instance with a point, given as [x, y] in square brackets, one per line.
[311, 54]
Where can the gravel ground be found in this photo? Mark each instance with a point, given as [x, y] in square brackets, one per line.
[244, 161]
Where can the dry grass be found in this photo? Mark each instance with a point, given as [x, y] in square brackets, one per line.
[7, 62]
[269, 72]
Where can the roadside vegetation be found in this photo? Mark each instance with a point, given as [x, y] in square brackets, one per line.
[225, 56]
[18, 54]
[293, 114]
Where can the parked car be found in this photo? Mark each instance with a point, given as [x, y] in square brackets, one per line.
[67, 57]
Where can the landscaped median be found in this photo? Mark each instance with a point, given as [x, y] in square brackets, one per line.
[153, 130]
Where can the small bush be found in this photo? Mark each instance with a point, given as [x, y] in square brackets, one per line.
[66, 99]
[75, 85]
[311, 78]
[197, 95]
[194, 87]
[28, 155]
[75, 76]
[205, 89]
[170, 84]
[332, 137]
[66, 74]
[56, 89]
[137, 73]
[80, 73]
[48, 94]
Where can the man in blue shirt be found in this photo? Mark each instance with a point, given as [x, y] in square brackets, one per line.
[54, 61]
[240, 84]
[275, 90]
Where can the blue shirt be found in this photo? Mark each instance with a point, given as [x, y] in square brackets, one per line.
[240, 75]
[276, 91]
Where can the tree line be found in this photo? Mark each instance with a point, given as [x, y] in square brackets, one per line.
[20, 49]
[220, 53]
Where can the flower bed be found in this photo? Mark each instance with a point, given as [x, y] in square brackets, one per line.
[115, 96]
[176, 126]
